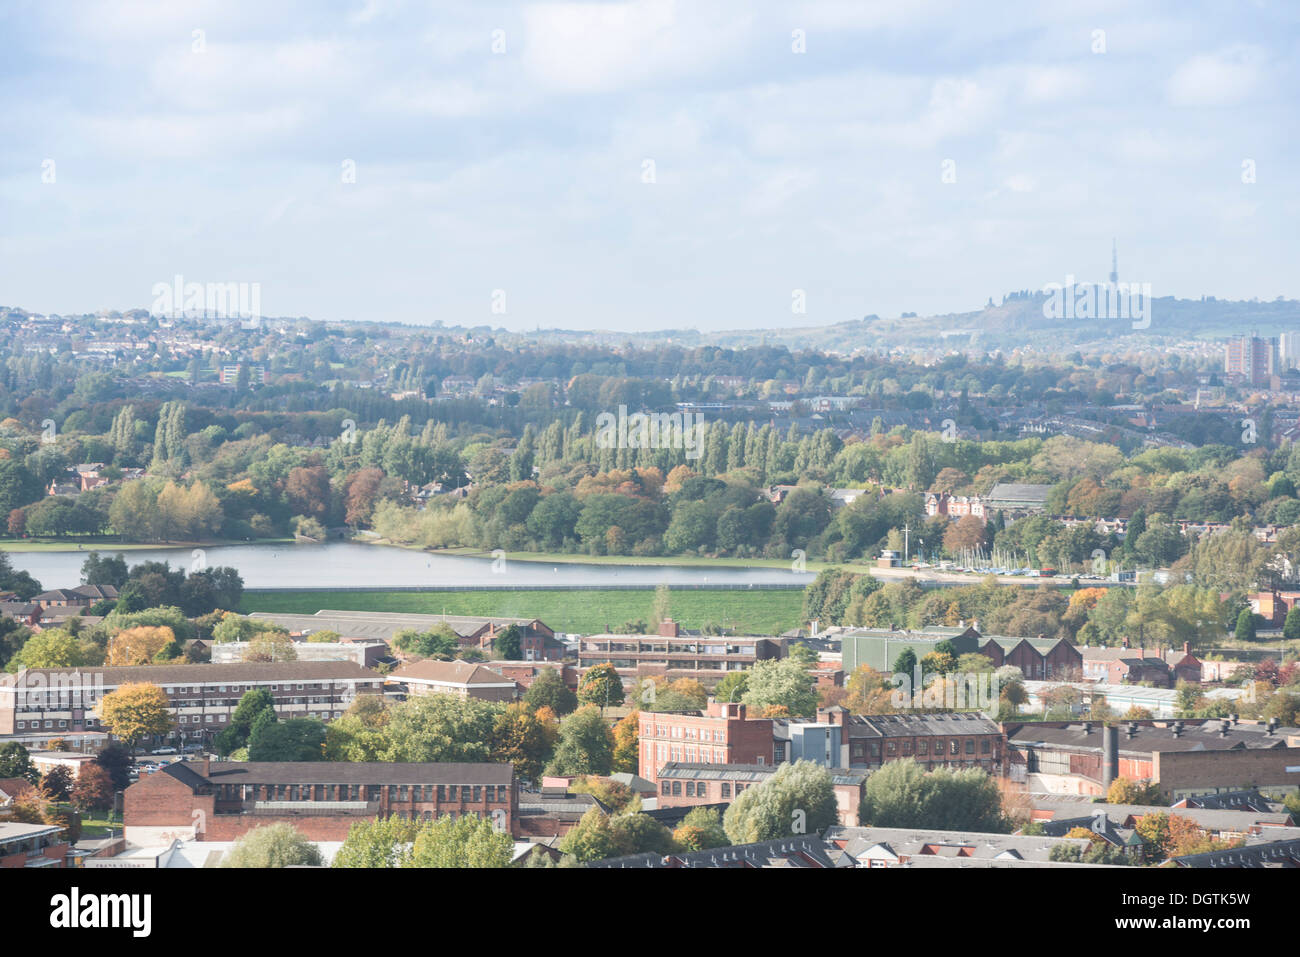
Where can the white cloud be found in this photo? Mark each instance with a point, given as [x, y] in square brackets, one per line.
[1217, 79]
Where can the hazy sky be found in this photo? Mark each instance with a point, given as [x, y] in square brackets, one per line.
[507, 147]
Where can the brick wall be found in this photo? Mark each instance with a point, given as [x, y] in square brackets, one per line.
[1226, 770]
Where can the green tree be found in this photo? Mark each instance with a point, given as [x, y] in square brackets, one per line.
[549, 691]
[781, 682]
[586, 744]
[380, 842]
[1245, 626]
[441, 727]
[461, 842]
[53, 648]
[16, 762]
[732, 687]
[798, 799]
[298, 739]
[235, 735]
[1291, 627]
[906, 662]
[598, 836]
[508, 644]
[273, 845]
[903, 794]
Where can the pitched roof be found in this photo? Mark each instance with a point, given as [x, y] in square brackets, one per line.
[340, 772]
[450, 672]
[237, 673]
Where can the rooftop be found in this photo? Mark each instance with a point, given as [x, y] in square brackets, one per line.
[340, 772]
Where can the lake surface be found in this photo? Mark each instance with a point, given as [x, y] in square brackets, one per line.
[353, 565]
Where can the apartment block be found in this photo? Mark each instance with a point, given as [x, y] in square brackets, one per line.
[672, 654]
[202, 697]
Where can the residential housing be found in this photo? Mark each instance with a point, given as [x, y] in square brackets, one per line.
[202, 697]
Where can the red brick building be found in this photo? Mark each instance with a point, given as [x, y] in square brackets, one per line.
[198, 800]
[1163, 668]
[1039, 659]
[721, 734]
[524, 673]
[959, 739]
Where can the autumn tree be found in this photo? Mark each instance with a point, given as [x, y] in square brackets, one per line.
[135, 711]
[1124, 790]
[627, 748]
[93, 789]
[270, 646]
[56, 783]
[138, 646]
[521, 739]
[601, 686]
[701, 829]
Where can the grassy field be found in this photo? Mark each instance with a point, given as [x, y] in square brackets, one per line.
[759, 612]
[96, 824]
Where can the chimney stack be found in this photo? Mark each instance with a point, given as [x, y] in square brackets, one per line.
[668, 628]
[1109, 754]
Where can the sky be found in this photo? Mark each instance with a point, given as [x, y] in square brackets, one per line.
[643, 165]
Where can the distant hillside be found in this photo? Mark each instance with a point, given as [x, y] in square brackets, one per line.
[1016, 322]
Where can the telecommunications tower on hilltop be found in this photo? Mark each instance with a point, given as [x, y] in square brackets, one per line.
[1114, 263]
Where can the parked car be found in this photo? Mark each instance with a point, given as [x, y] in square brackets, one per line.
[166, 750]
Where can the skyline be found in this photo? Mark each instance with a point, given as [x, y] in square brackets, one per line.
[918, 160]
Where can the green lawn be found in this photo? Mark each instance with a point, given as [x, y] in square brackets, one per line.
[758, 612]
[95, 824]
